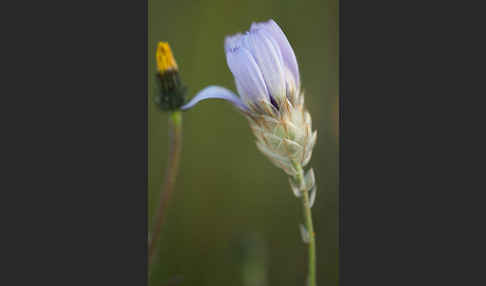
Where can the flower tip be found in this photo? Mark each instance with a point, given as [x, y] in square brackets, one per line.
[259, 25]
[254, 25]
[271, 21]
[165, 58]
[232, 43]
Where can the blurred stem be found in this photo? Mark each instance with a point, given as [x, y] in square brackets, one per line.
[175, 146]
[309, 226]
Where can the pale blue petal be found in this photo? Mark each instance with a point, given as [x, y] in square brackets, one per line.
[286, 50]
[269, 59]
[232, 42]
[218, 92]
[247, 74]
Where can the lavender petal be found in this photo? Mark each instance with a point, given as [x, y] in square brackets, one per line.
[217, 92]
[232, 42]
[248, 76]
[286, 50]
[269, 59]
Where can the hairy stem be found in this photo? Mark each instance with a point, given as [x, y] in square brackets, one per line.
[175, 146]
[309, 227]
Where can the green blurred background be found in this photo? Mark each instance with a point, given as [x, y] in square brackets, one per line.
[233, 219]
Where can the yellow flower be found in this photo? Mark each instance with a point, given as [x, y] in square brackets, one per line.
[172, 92]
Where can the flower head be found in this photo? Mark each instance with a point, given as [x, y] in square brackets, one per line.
[172, 91]
[267, 78]
[264, 66]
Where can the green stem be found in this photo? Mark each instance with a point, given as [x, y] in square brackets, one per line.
[309, 227]
[175, 145]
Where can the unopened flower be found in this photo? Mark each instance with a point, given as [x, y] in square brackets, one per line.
[268, 82]
[171, 95]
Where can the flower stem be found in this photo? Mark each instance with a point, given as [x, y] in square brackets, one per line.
[175, 146]
[309, 227]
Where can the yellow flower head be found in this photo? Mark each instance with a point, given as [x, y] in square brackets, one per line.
[172, 91]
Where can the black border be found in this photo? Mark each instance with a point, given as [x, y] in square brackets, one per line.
[409, 212]
[76, 160]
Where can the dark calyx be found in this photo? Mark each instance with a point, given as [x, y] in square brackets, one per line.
[171, 95]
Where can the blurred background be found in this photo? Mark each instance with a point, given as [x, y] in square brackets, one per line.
[233, 219]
